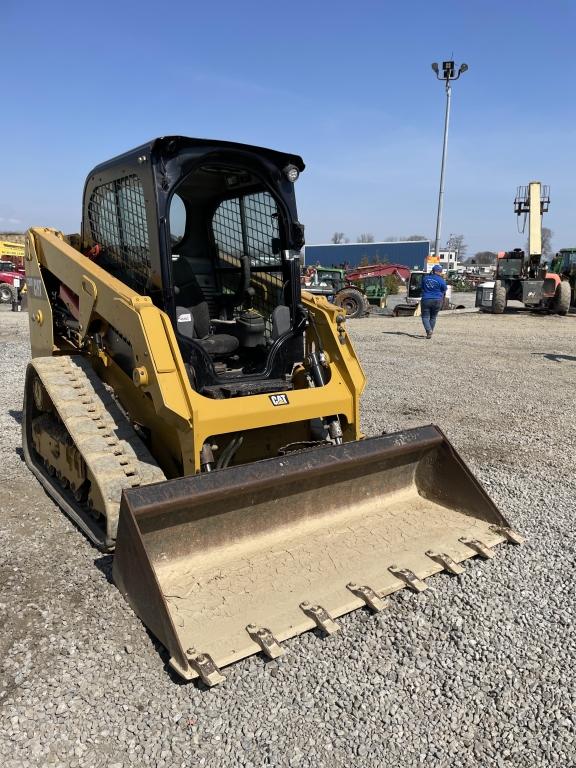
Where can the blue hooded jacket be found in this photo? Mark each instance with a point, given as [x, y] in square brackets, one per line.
[433, 286]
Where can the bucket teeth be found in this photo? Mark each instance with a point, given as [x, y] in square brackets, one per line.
[478, 547]
[513, 536]
[204, 666]
[409, 578]
[322, 618]
[446, 562]
[265, 640]
[368, 595]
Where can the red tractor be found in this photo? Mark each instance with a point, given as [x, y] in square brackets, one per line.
[372, 280]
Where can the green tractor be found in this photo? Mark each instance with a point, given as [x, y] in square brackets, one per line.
[564, 264]
[332, 283]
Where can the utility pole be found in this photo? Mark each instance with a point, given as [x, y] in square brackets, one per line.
[448, 75]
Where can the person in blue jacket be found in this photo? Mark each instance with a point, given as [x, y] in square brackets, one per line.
[433, 292]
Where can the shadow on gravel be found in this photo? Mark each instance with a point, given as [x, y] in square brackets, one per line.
[16, 415]
[403, 333]
[555, 358]
[104, 565]
[519, 311]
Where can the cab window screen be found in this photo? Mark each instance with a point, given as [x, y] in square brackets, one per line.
[117, 218]
[261, 218]
[248, 225]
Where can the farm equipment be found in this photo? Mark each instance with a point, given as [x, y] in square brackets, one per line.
[13, 252]
[373, 280]
[189, 406]
[564, 264]
[524, 277]
[11, 282]
[334, 285]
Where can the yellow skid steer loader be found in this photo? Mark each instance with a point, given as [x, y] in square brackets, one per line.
[188, 406]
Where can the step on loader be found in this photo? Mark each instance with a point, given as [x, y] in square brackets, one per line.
[190, 408]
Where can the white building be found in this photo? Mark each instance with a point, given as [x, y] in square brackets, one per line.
[448, 260]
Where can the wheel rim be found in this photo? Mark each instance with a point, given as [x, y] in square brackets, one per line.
[350, 305]
[5, 294]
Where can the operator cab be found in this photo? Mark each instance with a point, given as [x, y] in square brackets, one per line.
[227, 269]
[516, 265]
[510, 264]
[209, 231]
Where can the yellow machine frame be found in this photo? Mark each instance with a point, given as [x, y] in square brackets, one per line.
[160, 395]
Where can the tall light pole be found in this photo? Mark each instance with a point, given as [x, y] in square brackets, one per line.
[448, 74]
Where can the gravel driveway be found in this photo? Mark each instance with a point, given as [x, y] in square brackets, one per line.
[477, 671]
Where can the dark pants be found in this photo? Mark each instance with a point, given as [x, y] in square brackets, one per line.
[430, 309]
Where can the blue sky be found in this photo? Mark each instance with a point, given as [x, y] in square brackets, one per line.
[347, 85]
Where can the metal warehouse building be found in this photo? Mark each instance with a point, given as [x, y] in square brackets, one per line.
[410, 253]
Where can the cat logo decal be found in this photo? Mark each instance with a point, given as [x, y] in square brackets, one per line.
[279, 399]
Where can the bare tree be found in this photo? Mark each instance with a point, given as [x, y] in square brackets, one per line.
[483, 258]
[365, 237]
[337, 238]
[414, 238]
[391, 239]
[456, 243]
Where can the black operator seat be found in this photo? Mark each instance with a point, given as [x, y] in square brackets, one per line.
[193, 312]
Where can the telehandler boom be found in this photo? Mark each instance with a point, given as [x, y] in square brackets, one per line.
[189, 406]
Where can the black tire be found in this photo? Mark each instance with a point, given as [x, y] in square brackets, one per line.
[561, 301]
[499, 298]
[352, 301]
[7, 293]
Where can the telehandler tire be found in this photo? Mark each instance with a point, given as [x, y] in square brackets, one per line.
[499, 298]
[352, 302]
[561, 300]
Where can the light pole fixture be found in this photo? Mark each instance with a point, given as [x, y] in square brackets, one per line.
[448, 75]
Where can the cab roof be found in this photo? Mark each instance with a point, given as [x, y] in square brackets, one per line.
[165, 147]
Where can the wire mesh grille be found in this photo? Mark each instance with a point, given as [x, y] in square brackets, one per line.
[261, 220]
[248, 226]
[117, 216]
[227, 229]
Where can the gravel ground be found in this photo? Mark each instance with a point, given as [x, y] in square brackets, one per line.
[466, 300]
[477, 671]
